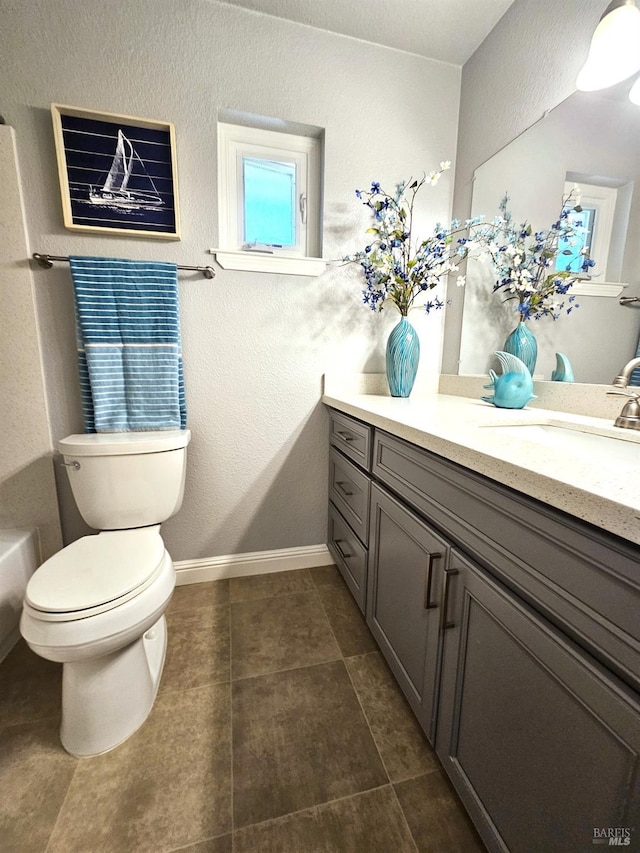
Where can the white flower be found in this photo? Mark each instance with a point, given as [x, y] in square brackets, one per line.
[433, 178]
[460, 281]
[445, 164]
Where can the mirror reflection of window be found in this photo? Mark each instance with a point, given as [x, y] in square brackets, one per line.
[598, 205]
[570, 257]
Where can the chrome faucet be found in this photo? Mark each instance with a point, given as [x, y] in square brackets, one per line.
[629, 417]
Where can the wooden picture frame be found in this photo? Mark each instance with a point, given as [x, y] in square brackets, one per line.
[117, 173]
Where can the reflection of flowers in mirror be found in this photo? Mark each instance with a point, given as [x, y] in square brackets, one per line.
[536, 270]
[398, 268]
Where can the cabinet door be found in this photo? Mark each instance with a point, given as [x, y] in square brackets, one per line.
[540, 742]
[405, 570]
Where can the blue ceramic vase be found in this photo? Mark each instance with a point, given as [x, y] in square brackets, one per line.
[403, 355]
[522, 343]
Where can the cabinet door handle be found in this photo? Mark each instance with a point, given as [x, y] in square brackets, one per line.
[428, 604]
[345, 436]
[340, 485]
[344, 556]
[445, 599]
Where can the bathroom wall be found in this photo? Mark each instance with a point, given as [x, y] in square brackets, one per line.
[526, 66]
[255, 345]
[27, 488]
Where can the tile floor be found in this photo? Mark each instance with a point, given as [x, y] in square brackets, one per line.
[277, 729]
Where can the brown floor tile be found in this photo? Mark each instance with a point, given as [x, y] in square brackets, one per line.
[30, 687]
[401, 742]
[193, 595]
[273, 634]
[168, 786]
[436, 817]
[222, 844]
[299, 739]
[267, 586]
[366, 823]
[35, 774]
[347, 622]
[197, 648]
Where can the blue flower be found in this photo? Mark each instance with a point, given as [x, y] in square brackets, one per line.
[375, 187]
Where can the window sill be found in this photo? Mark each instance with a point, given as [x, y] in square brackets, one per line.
[256, 262]
[601, 288]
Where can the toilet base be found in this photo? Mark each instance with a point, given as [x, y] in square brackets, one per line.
[106, 699]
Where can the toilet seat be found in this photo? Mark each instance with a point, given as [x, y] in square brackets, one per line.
[77, 635]
[95, 574]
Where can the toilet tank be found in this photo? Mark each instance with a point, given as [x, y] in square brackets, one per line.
[126, 479]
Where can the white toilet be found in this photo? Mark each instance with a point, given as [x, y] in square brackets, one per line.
[98, 605]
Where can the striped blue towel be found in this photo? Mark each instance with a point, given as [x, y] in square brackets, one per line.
[129, 354]
[635, 376]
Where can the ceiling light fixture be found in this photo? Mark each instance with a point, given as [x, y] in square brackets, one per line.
[614, 54]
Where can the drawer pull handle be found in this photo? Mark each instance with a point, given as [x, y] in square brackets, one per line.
[342, 553]
[428, 604]
[341, 486]
[345, 436]
[444, 625]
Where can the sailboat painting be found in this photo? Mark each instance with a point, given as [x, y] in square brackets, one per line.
[117, 173]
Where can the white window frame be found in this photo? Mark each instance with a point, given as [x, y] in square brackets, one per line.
[238, 141]
[603, 201]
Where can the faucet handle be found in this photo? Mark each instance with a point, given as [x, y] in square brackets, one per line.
[635, 395]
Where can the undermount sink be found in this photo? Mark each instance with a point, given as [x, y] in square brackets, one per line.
[579, 440]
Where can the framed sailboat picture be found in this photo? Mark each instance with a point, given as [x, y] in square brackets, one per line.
[117, 173]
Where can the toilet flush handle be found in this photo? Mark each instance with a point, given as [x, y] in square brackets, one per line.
[74, 464]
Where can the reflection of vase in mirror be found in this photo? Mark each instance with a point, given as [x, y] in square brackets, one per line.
[601, 335]
[522, 343]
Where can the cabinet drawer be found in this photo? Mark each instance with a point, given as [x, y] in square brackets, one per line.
[349, 554]
[352, 437]
[582, 578]
[349, 490]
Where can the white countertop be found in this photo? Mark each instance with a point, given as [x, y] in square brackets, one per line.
[587, 484]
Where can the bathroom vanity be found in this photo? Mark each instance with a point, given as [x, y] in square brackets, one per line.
[498, 571]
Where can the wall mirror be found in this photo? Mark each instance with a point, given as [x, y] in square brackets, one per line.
[593, 139]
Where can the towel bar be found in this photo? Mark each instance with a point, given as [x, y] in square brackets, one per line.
[46, 261]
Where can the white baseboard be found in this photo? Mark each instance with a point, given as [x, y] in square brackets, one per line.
[253, 563]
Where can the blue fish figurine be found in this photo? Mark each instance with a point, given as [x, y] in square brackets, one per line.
[514, 388]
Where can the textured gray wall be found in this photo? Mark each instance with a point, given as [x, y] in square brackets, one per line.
[27, 487]
[526, 66]
[255, 346]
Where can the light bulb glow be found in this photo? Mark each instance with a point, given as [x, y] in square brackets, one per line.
[614, 54]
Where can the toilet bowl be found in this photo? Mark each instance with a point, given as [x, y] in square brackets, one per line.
[97, 606]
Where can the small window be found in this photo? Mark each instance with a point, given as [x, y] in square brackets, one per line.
[269, 191]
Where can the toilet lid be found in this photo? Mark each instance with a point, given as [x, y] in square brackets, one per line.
[95, 570]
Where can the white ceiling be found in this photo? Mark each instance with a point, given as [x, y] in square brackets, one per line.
[448, 30]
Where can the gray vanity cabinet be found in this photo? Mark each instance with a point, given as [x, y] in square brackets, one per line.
[541, 743]
[513, 630]
[406, 561]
